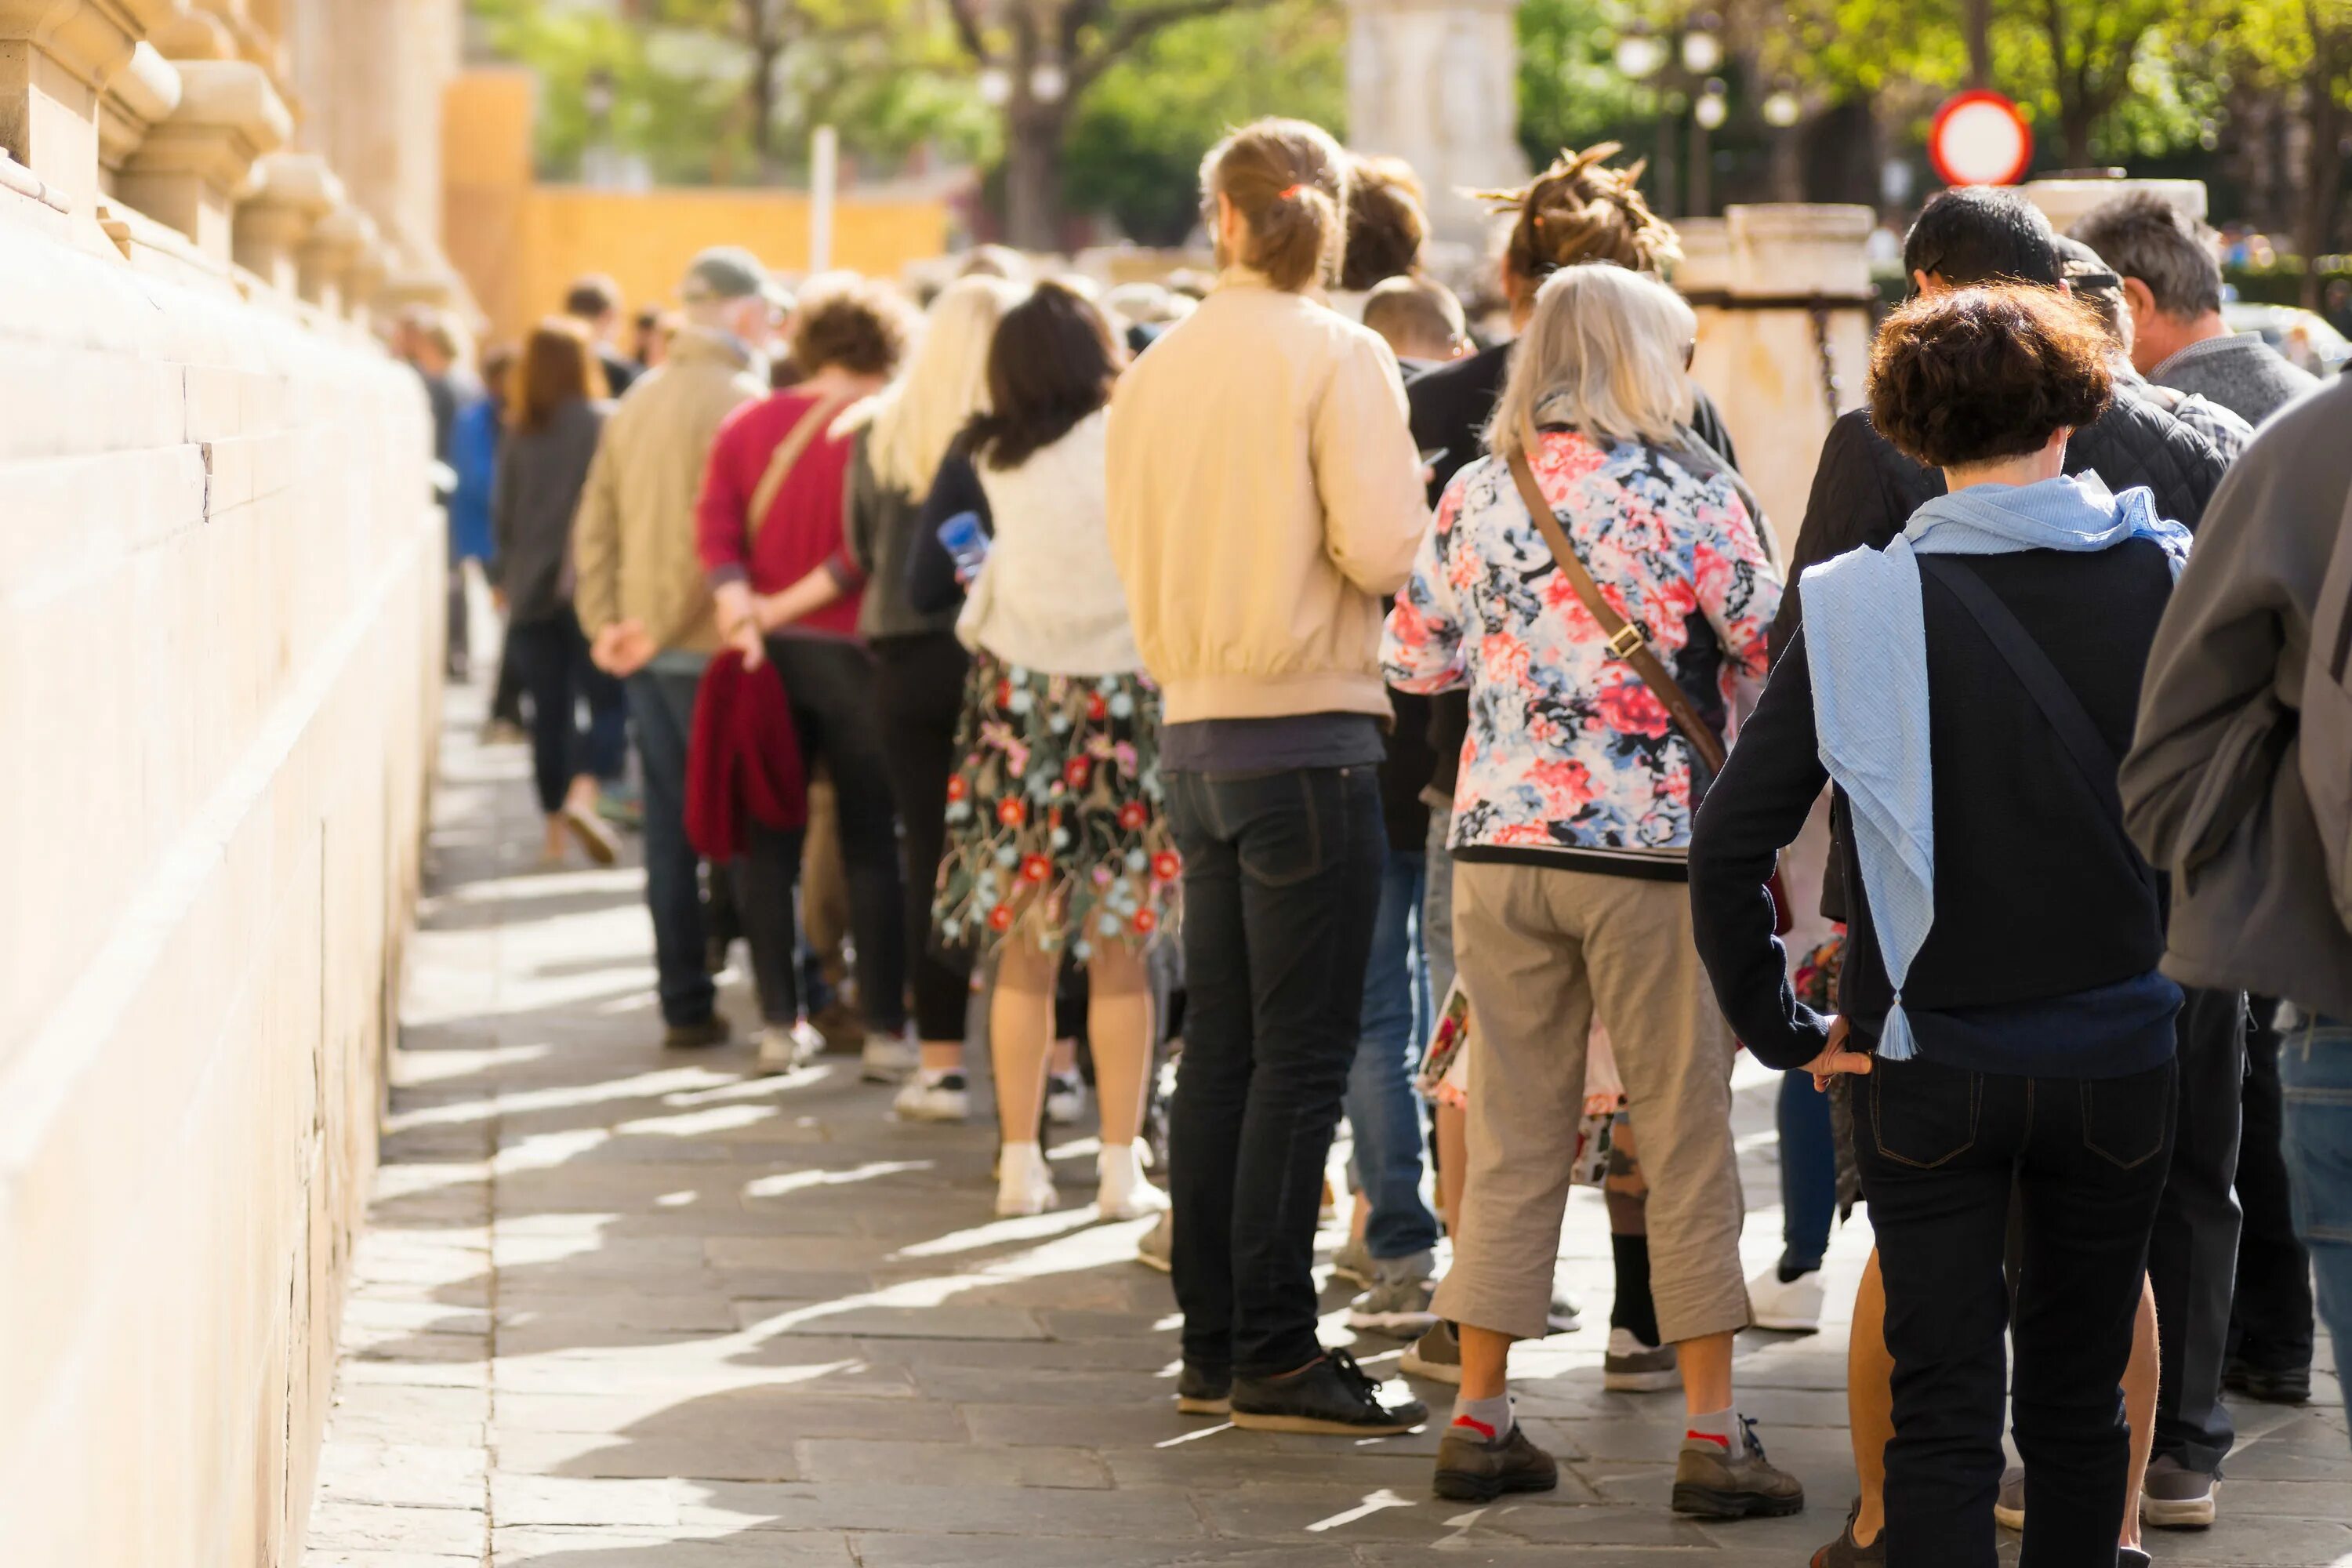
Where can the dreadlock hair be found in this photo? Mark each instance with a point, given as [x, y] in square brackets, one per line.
[1581, 210]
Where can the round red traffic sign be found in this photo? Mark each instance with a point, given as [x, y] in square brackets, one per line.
[1979, 138]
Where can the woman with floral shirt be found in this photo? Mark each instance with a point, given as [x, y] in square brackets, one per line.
[1572, 832]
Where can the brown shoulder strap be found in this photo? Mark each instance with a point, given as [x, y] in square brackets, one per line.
[787, 453]
[1625, 639]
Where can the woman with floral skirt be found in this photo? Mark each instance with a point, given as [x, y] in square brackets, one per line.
[1057, 841]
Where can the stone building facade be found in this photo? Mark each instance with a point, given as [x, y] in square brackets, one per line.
[220, 611]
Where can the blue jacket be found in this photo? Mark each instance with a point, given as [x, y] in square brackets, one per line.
[474, 454]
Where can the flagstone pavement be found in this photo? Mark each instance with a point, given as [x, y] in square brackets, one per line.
[617, 1309]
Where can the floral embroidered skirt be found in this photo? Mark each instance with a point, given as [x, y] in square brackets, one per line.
[1057, 830]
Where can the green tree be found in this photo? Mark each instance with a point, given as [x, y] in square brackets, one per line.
[1135, 143]
[2302, 48]
[1570, 92]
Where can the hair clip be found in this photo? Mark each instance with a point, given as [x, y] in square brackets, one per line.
[1288, 192]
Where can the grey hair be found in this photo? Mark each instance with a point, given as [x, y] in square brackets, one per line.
[1604, 350]
[2142, 235]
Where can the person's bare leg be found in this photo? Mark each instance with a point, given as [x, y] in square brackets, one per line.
[1066, 1057]
[942, 1056]
[1453, 1163]
[1706, 1372]
[1870, 1400]
[1020, 1034]
[1485, 1362]
[2139, 1405]
[1118, 1022]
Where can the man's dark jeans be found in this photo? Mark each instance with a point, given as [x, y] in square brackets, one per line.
[2270, 1318]
[1282, 882]
[662, 705]
[2192, 1257]
[1940, 1148]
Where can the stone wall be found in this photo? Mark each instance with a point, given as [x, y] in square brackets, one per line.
[221, 595]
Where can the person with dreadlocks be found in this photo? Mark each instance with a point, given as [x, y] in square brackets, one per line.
[1581, 210]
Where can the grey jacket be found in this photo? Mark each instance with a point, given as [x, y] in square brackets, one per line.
[2212, 790]
[878, 526]
[2240, 371]
[540, 473]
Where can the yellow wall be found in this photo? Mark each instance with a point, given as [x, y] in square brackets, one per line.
[519, 243]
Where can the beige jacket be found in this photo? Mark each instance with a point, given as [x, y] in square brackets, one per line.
[633, 541]
[1265, 494]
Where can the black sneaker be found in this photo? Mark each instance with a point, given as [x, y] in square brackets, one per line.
[1204, 1390]
[1474, 1467]
[710, 1031]
[2271, 1385]
[1331, 1394]
[1844, 1553]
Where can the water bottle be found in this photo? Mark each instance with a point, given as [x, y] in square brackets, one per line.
[967, 543]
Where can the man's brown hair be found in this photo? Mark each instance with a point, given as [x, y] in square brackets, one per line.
[557, 365]
[1977, 374]
[1288, 180]
[860, 326]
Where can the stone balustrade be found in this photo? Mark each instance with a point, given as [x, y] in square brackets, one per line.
[222, 585]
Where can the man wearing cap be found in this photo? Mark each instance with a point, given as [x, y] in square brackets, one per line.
[641, 597]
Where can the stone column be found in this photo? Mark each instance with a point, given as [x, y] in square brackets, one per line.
[1435, 82]
[287, 194]
[363, 278]
[56, 59]
[329, 257]
[188, 170]
[132, 105]
[2065, 201]
[1783, 294]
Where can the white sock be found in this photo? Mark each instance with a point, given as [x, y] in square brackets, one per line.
[1718, 1426]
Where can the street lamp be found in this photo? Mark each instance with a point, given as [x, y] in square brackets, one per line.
[1713, 106]
[1782, 109]
[1703, 44]
[1049, 82]
[1640, 54]
[995, 86]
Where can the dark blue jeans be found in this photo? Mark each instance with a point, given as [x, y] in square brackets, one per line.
[551, 658]
[663, 706]
[1808, 1174]
[1282, 880]
[2315, 1074]
[1382, 1108]
[1941, 1150]
[2192, 1257]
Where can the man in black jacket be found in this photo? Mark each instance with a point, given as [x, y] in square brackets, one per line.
[1864, 493]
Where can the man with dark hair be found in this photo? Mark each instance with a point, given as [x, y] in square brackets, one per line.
[2173, 281]
[1864, 493]
[595, 300]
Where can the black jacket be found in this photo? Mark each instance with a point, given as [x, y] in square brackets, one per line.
[1865, 490]
[2038, 895]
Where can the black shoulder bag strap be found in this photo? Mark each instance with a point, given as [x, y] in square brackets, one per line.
[2093, 757]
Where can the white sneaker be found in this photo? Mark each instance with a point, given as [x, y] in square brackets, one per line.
[1066, 1098]
[1790, 1305]
[1124, 1194]
[1025, 1183]
[785, 1046]
[933, 1095]
[889, 1058]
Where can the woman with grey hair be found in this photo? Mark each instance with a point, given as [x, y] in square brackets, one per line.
[1571, 828]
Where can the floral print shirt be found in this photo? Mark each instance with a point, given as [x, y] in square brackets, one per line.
[1569, 757]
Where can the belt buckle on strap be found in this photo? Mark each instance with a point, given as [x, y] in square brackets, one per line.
[1626, 641]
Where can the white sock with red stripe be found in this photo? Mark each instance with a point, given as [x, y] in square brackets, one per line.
[1719, 1429]
[1489, 1419]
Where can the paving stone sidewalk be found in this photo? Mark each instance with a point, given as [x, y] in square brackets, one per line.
[623, 1309]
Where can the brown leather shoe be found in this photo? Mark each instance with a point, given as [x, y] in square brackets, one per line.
[1710, 1483]
[1474, 1467]
[1844, 1553]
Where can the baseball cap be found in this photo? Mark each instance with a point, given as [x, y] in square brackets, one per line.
[731, 272]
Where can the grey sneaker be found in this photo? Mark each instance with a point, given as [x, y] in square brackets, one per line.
[1157, 1247]
[2009, 1506]
[1398, 1302]
[1711, 1483]
[2175, 1497]
[1473, 1467]
[1353, 1262]
[1633, 1366]
[1436, 1355]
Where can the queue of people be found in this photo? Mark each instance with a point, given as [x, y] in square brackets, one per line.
[1424, 722]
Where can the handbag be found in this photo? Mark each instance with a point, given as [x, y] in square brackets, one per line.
[1626, 640]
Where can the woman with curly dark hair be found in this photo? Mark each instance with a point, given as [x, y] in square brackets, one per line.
[1969, 691]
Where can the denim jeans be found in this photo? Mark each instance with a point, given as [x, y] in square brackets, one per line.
[1383, 1109]
[1940, 1148]
[2192, 1257]
[2315, 1077]
[1808, 1174]
[1282, 880]
[2270, 1312]
[662, 704]
[550, 660]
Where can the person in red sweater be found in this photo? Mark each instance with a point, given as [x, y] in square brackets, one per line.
[769, 525]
